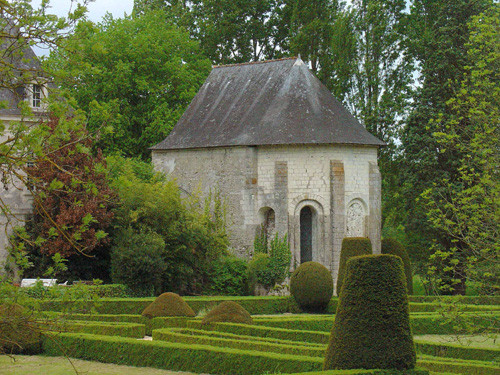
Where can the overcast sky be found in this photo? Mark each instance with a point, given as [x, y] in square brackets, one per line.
[96, 10]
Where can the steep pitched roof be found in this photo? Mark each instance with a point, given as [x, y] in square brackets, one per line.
[277, 102]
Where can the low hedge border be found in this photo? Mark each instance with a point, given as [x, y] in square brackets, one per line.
[200, 338]
[457, 366]
[247, 338]
[322, 324]
[106, 329]
[175, 356]
[470, 300]
[262, 331]
[366, 372]
[457, 351]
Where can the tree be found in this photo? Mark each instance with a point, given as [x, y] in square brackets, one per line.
[467, 207]
[438, 36]
[136, 75]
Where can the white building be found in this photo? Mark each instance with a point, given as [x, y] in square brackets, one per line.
[286, 156]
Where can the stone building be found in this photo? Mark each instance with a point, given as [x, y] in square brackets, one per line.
[286, 156]
[15, 198]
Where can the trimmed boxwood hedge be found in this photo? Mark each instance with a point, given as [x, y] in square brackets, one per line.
[366, 372]
[372, 323]
[168, 304]
[456, 351]
[106, 329]
[457, 366]
[394, 247]
[260, 331]
[351, 247]
[175, 356]
[469, 300]
[201, 338]
[227, 311]
[311, 285]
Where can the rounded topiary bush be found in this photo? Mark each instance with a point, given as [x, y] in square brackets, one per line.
[394, 247]
[372, 322]
[228, 312]
[19, 332]
[311, 285]
[168, 304]
[351, 247]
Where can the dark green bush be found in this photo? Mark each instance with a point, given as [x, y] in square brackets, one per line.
[228, 276]
[258, 271]
[229, 312]
[311, 285]
[394, 247]
[351, 247]
[168, 304]
[19, 332]
[372, 323]
[138, 260]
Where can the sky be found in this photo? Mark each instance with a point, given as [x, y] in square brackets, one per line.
[96, 10]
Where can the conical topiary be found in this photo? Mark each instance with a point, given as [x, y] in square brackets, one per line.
[351, 247]
[168, 304]
[228, 312]
[372, 322]
[394, 247]
[19, 332]
[311, 285]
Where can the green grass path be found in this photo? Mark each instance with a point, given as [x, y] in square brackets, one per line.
[40, 365]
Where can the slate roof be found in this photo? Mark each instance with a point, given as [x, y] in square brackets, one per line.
[276, 102]
[23, 63]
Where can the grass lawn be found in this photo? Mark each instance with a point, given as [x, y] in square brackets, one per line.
[40, 365]
[477, 341]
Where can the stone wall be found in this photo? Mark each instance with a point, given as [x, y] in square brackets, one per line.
[341, 184]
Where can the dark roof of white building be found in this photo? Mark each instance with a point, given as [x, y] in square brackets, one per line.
[276, 102]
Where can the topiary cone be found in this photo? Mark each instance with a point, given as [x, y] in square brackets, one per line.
[351, 247]
[311, 285]
[168, 304]
[394, 247]
[372, 322]
[228, 312]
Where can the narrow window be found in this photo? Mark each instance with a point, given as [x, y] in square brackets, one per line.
[37, 96]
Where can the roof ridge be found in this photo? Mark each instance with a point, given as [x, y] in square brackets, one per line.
[254, 62]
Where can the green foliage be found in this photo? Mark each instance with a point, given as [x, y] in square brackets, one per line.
[270, 269]
[311, 285]
[19, 332]
[260, 241]
[451, 350]
[168, 304]
[351, 247]
[163, 242]
[106, 329]
[200, 337]
[465, 206]
[391, 246]
[372, 322]
[228, 276]
[228, 312]
[175, 356]
[133, 77]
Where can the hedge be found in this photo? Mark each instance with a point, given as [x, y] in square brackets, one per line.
[351, 247]
[311, 285]
[457, 351]
[457, 366]
[168, 304]
[175, 356]
[372, 323]
[246, 337]
[106, 329]
[323, 324]
[254, 305]
[261, 331]
[199, 337]
[471, 300]
[366, 372]
[394, 247]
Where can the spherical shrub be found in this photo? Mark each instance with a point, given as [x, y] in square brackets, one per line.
[228, 312]
[394, 247]
[312, 286]
[168, 304]
[372, 322]
[351, 247]
[19, 332]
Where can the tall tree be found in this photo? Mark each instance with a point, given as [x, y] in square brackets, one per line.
[439, 34]
[136, 74]
[467, 208]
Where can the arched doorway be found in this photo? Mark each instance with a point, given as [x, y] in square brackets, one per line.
[306, 234]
